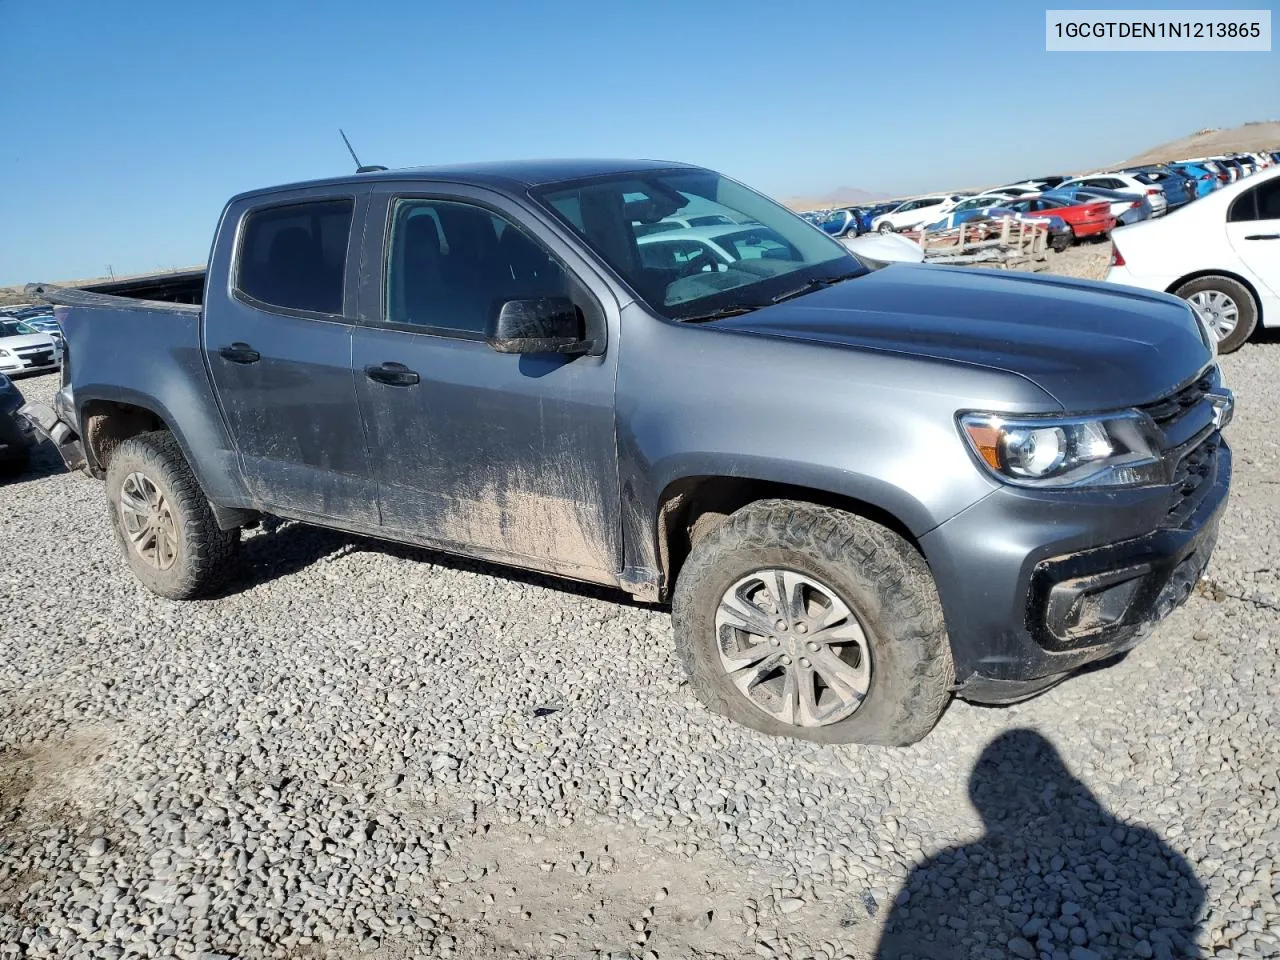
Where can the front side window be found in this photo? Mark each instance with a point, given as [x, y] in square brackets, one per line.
[295, 257]
[778, 253]
[450, 267]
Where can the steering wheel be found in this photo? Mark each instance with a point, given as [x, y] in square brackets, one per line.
[696, 263]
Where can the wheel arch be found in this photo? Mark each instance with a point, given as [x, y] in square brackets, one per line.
[107, 423]
[109, 419]
[690, 507]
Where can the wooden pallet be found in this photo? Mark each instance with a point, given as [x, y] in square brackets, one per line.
[1002, 243]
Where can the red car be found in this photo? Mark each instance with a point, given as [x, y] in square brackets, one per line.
[1085, 219]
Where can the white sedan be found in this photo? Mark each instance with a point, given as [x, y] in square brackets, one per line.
[24, 349]
[915, 212]
[1221, 254]
[1125, 183]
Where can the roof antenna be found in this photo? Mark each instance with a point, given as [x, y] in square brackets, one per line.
[360, 168]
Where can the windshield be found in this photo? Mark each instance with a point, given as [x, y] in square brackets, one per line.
[778, 252]
[14, 328]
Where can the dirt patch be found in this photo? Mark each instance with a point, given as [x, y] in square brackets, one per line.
[609, 887]
[46, 787]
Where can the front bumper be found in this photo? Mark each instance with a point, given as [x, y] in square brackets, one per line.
[1035, 585]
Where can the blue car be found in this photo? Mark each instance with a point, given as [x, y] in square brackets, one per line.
[843, 222]
[870, 213]
[1206, 181]
[1178, 188]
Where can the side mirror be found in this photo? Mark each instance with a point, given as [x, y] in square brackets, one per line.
[539, 325]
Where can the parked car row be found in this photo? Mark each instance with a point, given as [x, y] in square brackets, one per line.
[1131, 194]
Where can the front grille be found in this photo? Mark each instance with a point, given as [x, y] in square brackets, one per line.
[33, 357]
[1192, 481]
[1170, 409]
[1190, 440]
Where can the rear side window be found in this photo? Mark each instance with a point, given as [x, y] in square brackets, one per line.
[1260, 203]
[295, 257]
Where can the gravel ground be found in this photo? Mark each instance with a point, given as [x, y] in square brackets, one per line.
[366, 750]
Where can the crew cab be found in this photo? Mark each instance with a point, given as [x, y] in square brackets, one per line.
[861, 491]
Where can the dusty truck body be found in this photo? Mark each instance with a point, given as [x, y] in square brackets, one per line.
[862, 491]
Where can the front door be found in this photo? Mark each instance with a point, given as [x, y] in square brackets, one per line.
[279, 353]
[510, 456]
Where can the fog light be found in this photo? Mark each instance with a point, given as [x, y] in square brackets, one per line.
[1086, 605]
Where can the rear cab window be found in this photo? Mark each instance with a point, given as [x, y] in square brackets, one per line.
[293, 257]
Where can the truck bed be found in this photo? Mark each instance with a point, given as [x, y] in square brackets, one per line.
[129, 349]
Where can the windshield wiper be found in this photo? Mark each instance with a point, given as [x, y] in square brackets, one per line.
[814, 284]
[721, 313]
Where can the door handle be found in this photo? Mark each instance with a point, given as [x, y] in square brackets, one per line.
[1263, 236]
[392, 374]
[240, 353]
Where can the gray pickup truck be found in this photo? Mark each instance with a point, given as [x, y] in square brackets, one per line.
[862, 489]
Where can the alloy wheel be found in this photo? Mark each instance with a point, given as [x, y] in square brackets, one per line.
[793, 648]
[148, 522]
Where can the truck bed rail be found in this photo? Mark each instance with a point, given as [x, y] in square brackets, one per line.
[77, 297]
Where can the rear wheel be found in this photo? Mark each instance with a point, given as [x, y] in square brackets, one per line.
[162, 521]
[1226, 306]
[806, 621]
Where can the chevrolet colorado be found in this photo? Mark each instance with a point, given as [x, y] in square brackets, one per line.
[861, 490]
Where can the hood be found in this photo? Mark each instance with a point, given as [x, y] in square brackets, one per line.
[1090, 345]
[26, 340]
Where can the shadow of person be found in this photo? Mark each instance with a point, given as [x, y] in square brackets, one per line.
[1055, 876]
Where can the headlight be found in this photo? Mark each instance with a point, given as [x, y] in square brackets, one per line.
[5, 353]
[1112, 451]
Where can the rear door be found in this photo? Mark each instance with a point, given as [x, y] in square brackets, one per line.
[277, 336]
[1253, 230]
[509, 456]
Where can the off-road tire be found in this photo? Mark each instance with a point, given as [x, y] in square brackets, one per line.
[205, 553]
[880, 576]
[1245, 302]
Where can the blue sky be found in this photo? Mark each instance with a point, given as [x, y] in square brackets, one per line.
[126, 126]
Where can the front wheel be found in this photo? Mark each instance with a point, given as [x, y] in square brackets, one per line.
[806, 621]
[162, 521]
[885, 227]
[1226, 306]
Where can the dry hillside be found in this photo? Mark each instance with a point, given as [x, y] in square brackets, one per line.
[1262, 135]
